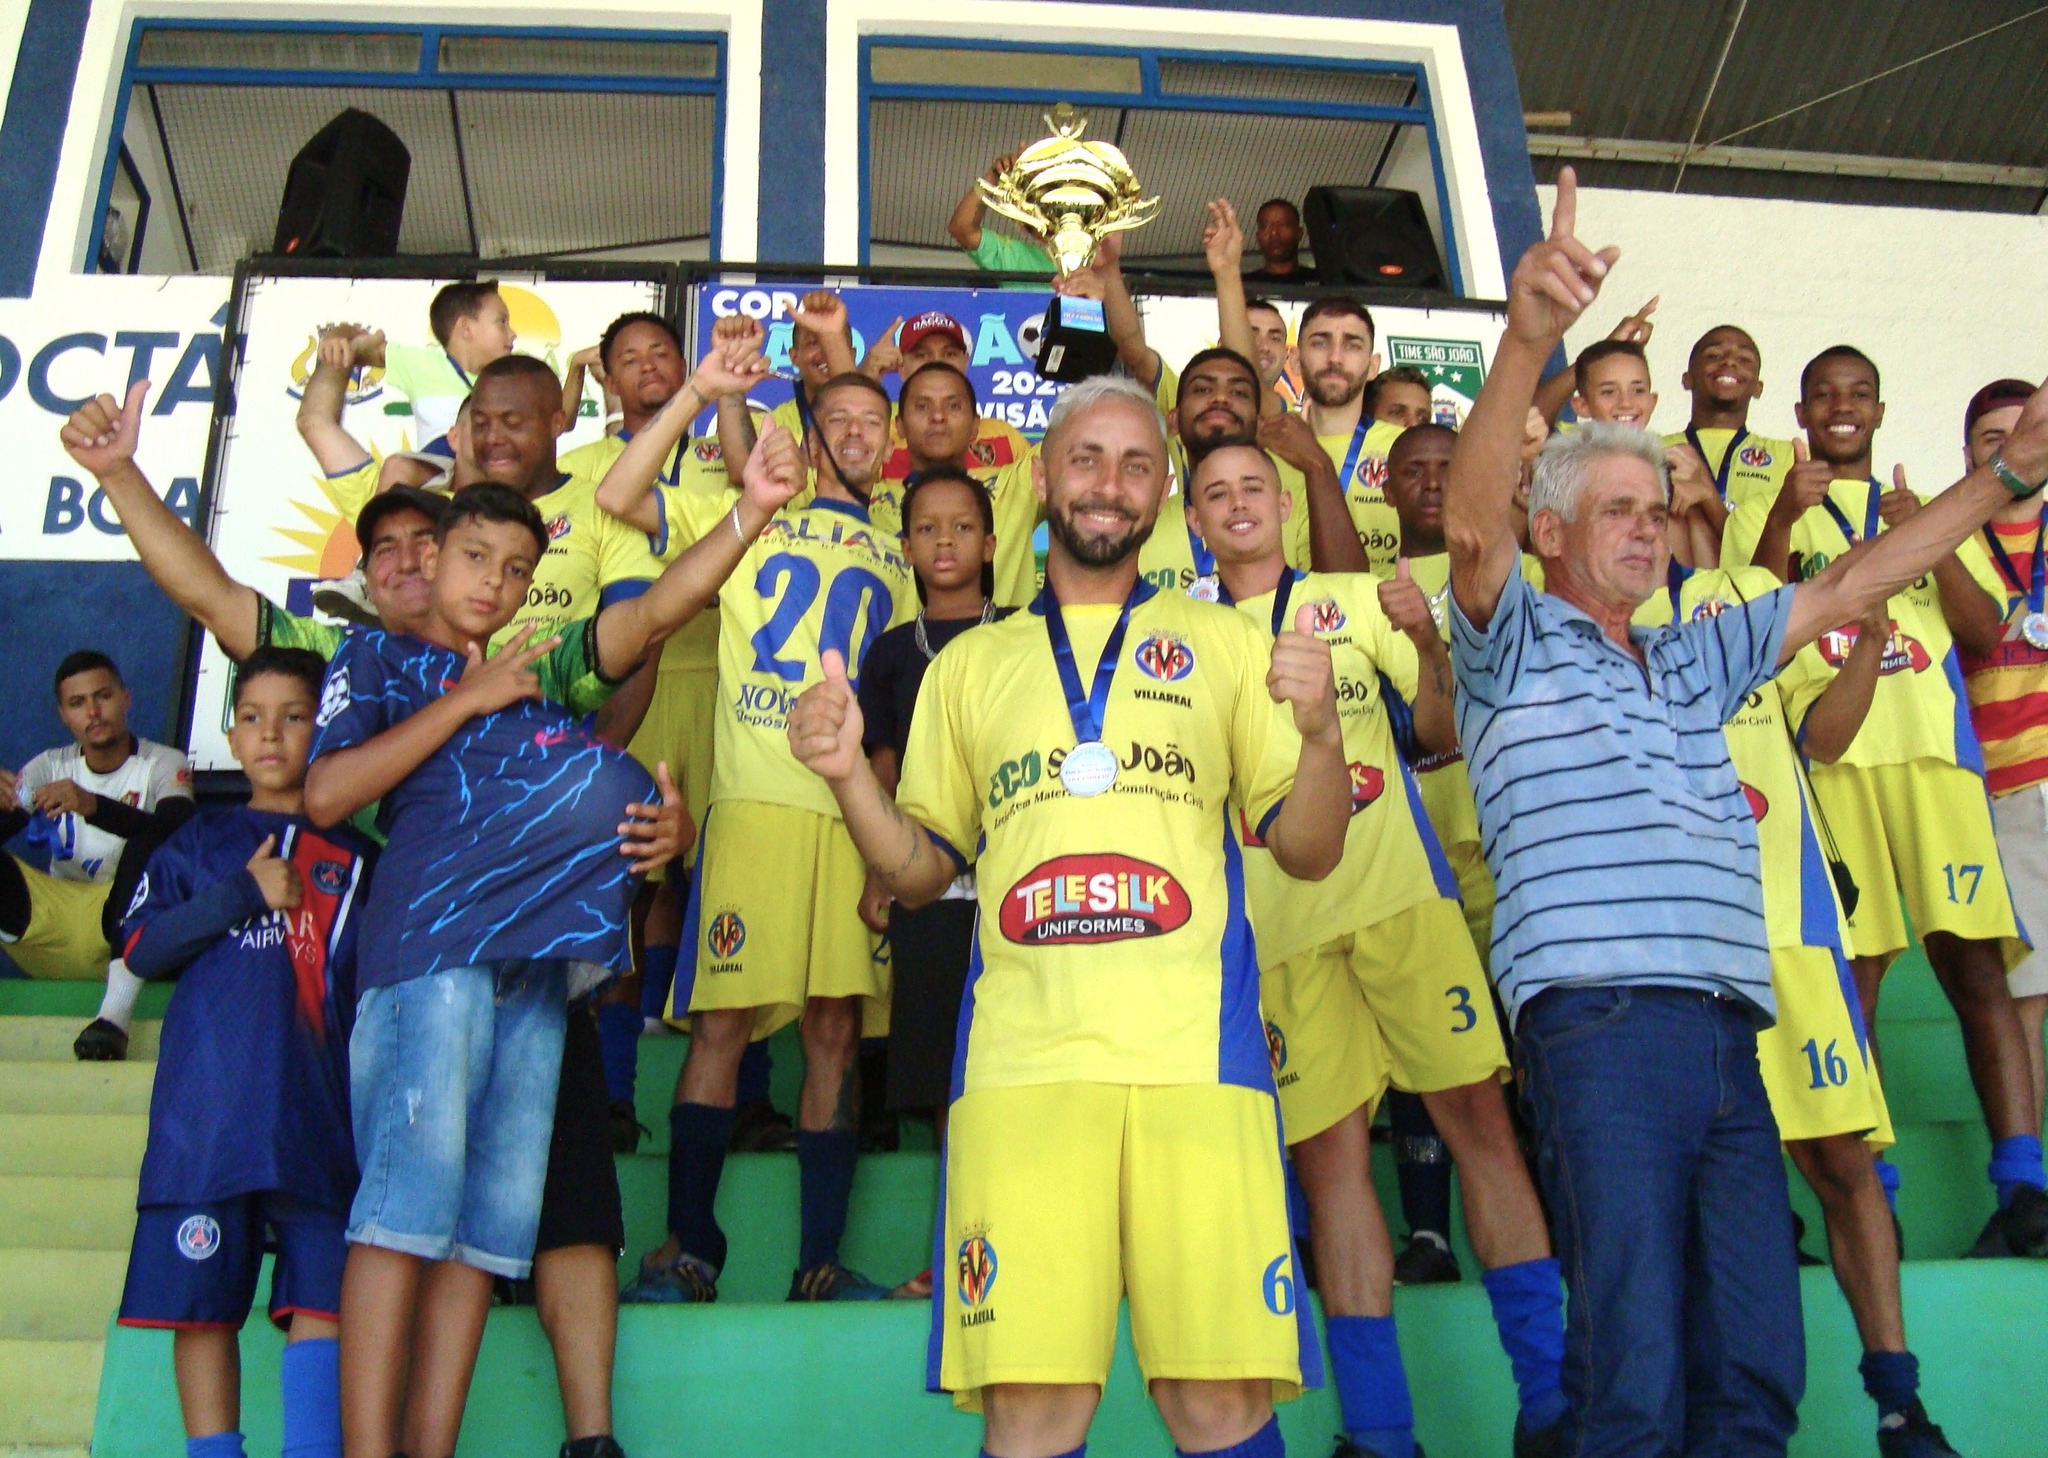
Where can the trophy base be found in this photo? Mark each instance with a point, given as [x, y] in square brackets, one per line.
[1075, 343]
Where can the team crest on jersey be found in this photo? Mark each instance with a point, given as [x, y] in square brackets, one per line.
[1325, 616]
[1085, 899]
[1276, 1047]
[975, 1264]
[333, 697]
[1371, 474]
[1758, 805]
[1368, 783]
[1713, 607]
[198, 1237]
[982, 453]
[708, 451]
[558, 527]
[1755, 456]
[1903, 653]
[726, 934]
[330, 876]
[1164, 657]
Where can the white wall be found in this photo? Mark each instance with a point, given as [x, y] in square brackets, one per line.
[1943, 302]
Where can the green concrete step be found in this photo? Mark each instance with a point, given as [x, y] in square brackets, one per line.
[48, 1039]
[66, 1212]
[60, 1295]
[768, 1381]
[72, 1087]
[26, 997]
[72, 1144]
[48, 1390]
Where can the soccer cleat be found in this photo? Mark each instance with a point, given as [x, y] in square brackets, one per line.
[917, 1288]
[1347, 1449]
[1990, 1244]
[1799, 1243]
[101, 1042]
[833, 1282]
[627, 1130]
[1912, 1434]
[2020, 1229]
[347, 598]
[602, 1446]
[1544, 1443]
[1426, 1262]
[685, 1281]
[761, 1128]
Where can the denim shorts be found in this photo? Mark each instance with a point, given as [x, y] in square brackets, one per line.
[452, 1086]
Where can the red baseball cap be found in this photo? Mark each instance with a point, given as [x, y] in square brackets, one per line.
[1995, 396]
[927, 324]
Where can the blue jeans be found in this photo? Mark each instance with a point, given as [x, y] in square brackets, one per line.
[452, 1082]
[1660, 1162]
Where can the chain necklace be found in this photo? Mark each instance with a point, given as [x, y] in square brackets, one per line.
[924, 643]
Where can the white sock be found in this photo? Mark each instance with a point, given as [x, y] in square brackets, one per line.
[123, 987]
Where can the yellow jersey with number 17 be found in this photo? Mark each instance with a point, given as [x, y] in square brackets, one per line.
[1391, 857]
[817, 577]
[1113, 943]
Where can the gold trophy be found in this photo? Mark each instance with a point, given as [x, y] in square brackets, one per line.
[1070, 193]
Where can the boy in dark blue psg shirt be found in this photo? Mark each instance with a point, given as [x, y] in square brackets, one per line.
[255, 911]
[500, 895]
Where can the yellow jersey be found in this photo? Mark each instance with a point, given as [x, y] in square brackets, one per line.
[1361, 462]
[1919, 710]
[1113, 945]
[817, 577]
[351, 490]
[1391, 857]
[593, 559]
[1294, 532]
[1017, 510]
[1742, 465]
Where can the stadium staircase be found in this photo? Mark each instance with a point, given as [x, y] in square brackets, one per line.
[753, 1377]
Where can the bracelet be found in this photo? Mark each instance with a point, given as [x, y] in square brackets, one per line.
[737, 533]
[2007, 477]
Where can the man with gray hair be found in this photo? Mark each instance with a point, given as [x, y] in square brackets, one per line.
[1112, 1128]
[1598, 759]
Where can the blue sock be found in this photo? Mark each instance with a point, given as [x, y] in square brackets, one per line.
[1265, 1443]
[1372, 1385]
[2015, 1163]
[309, 1378]
[1297, 1203]
[755, 1066]
[618, 1039]
[1528, 1311]
[215, 1445]
[1888, 1176]
[657, 977]
[824, 1161]
[1892, 1379]
[697, 1137]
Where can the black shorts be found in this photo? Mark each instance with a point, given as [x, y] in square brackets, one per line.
[580, 1204]
[930, 949]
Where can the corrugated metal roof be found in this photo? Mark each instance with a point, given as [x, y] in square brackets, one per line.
[1643, 72]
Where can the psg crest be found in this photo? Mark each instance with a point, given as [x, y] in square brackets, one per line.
[198, 1237]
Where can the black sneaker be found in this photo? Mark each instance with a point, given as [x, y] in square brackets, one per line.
[833, 1282]
[684, 1281]
[1347, 1449]
[1544, 1443]
[627, 1130]
[101, 1042]
[1912, 1434]
[1799, 1243]
[507, 1291]
[1990, 1244]
[761, 1128]
[2026, 1222]
[602, 1446]
[1427, 1261]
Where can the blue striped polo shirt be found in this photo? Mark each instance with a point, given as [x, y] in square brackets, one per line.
[1621, 846]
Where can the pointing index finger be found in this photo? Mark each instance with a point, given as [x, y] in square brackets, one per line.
[1564, 216]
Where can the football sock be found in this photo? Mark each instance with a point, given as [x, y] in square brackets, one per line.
[309, 1379]
[618, 1041]
[824, 1161]
[697, 1137]
[657, 979]
[1528, 1311]
[1422, 1165]
[1265, 1443]
[2016, 1163]
[1888, 1176]
[1080, 1452]
[123, 987]
[215, 1445]
[1372, 1385]
[1892, 1379]
[755, 1066]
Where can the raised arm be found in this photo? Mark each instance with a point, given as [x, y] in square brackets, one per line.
[1223, 245]
[824, 313]
[627, 490]
[1975, 619]
[1333, 544]
[964, 227]
[1407, 608]
[336, 451]
[1856, 582]
[101, 436]
[1552, 285]
[1120, 313]
[589, 360]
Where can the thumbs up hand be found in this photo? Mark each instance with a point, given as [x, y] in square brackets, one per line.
[1302, 678]
[825, 724]
[1406, 605]
[1897, 505]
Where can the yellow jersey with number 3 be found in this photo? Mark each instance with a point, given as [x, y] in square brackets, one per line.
[1113, 944]
[818, 577]
[1391, 857]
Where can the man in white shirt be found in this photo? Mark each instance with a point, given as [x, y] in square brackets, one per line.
[85, 801]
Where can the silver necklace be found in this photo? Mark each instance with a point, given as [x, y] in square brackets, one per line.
[924, 643]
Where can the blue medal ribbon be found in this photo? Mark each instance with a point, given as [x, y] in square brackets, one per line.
[672, 474]
[1870, 517]
[1692, 438]
[1351, 456]
[1086, 710]
[1281, 596]
[1675, 577]
[2036, 585]
[1205, 560]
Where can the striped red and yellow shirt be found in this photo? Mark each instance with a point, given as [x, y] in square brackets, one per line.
[2009, 687]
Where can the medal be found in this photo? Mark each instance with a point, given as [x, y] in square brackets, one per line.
[1870, 516]
[2035, 630]
[2034, 626]
[1088, 769]
[1205, 588]
[1692, 438]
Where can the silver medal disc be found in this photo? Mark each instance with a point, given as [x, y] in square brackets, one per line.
[1088, 769]
[1205, 589]
[2034, 628]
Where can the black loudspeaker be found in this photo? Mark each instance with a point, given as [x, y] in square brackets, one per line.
[1372, 237]
[345, 193]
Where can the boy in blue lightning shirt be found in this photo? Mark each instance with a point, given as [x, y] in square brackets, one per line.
[255, 912]
[501, 896]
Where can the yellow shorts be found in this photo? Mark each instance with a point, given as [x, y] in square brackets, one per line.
[1816, 1060]
[775, 919]
[1475, 890]
[1920, 832]
[1401, 1001]
[1061, 1198]
[63, 940]
[679, 729]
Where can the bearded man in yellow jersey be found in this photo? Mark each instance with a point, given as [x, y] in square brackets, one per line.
[1724, 377]
[1907, 800]
[1368, 976]
[770, 949]
[1113, 1128]
[1335, 343]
